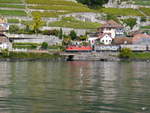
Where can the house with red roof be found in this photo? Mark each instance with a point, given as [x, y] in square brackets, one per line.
[105, 38]
[3, 25]
[112, 27]
[141, 39]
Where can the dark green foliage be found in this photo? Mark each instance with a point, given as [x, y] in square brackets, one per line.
[29, 55]
[73, 35]
[5, 53]
[125, 53]
[143, 19]
[13, 29]
[112, 17]
[93, 3]
[83, 37]
[60, 35]
[25, 45]
[44, 45]
[50, 32]
[131, 22]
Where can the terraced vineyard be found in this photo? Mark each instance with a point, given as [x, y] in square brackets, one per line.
[56, 9]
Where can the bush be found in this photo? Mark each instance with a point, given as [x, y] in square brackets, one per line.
[73, 35]
[125, 53]
[131, 22]
[50, 32]
[13, 29]
[44, 45]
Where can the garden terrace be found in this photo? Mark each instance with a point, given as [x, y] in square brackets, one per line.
[12, 20]
[70, 22]
[63, 8]
[12, 13]
[49, 14]
[142, 2]
[12, 6]
[145, 27]
[10, 1]
[145, 10]
[121, 11]
[53, 2]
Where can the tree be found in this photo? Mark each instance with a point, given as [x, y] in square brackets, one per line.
[73, 35]
[83, 37]
[37, 23]
[131, 22]
[60, 34]
[44, 45]
[93, 3]
[112, 17]
[125, 53]
[13, 29]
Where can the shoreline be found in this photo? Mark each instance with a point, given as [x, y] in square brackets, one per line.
[105, 57]
[63, 59]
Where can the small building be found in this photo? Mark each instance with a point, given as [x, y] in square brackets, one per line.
[112, 27]
[4, 42]
[141, 39]
[92, 37]
[105, 38]
[3, 25]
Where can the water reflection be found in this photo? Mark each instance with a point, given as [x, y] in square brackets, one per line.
[71, 87]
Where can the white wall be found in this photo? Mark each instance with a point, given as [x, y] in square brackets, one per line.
[106, 40]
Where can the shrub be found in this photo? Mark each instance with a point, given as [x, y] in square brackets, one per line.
[73, 35]
[44, 45]
[13, 29]
[131, 22]
[125, 53]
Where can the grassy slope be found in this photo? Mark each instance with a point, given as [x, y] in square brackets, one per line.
[122, 11]
[145, 55]
[12, 13]
[12, 6]
[73, 23]
[10, 1]
[142, 2]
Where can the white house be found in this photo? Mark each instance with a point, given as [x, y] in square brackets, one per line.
[113, 28]
[92, 37]
[3, 25]
[105, 39]
[5, 43]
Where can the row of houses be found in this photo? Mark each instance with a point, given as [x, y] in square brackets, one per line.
[113, 33]
[4, 41]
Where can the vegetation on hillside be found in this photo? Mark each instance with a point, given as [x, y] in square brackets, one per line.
[131, 22]
[12, 6]
[12, 12]
[73, 23]
[93, 3]
[10, 1]
[121, 11]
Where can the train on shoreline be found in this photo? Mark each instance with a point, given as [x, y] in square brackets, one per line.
[102, 48]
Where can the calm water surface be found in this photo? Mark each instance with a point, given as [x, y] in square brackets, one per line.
[74, 87]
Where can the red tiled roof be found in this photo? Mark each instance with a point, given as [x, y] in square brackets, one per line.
[139, 36]
[111, 24]
[122, 40]
[103, 34]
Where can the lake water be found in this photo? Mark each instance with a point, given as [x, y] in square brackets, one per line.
[74, 87]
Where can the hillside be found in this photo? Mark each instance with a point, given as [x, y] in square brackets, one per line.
[53, 12]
